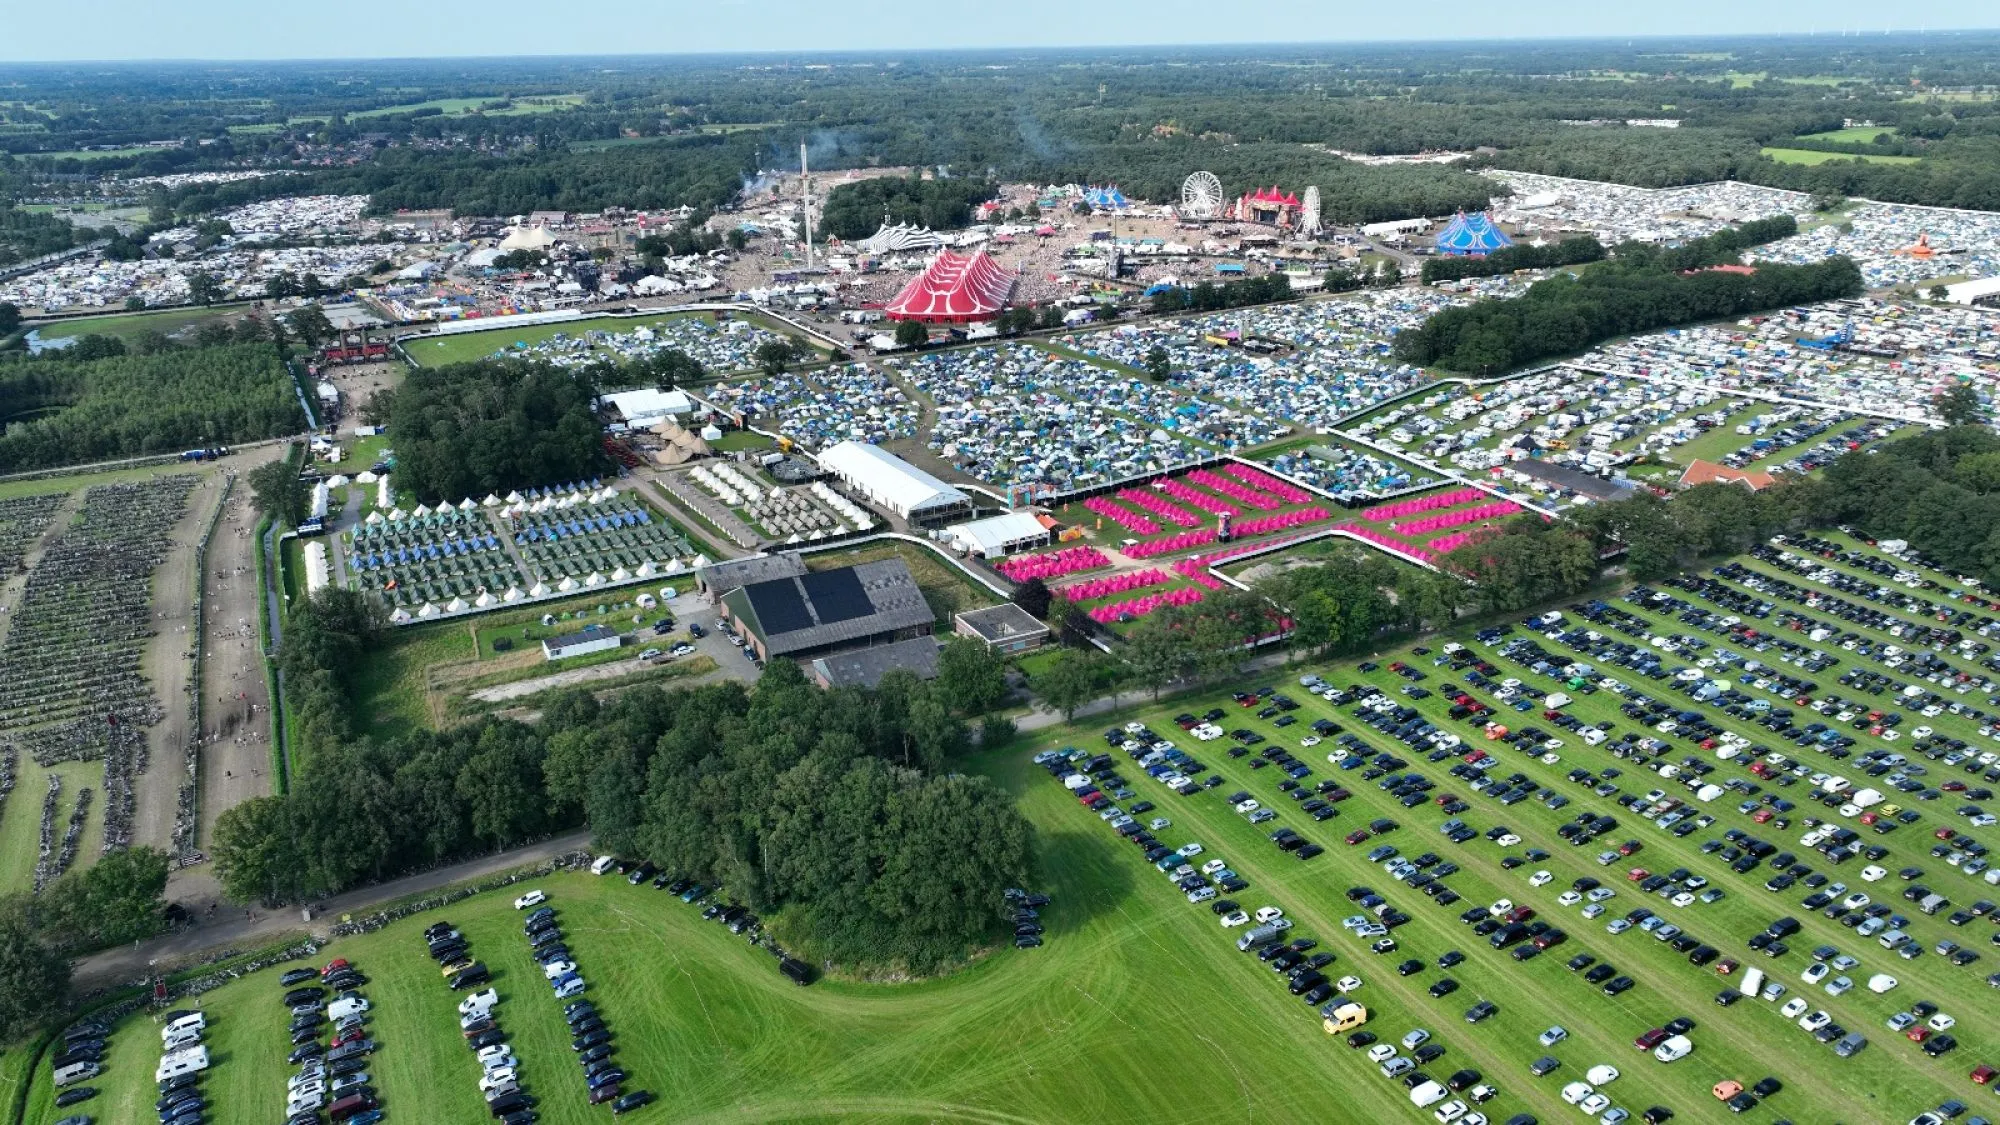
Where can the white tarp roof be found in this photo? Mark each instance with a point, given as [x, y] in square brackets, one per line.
[996, 533]
[648, 405]
[888, 478]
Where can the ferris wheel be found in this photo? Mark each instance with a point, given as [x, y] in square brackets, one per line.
[1309, 221]
[1201, 196]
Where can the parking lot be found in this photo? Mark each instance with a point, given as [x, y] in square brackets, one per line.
[1692, 845]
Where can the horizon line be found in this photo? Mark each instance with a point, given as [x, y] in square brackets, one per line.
[881, 52]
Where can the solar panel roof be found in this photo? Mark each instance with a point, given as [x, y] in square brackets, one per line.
[837, 595]
[779, 607]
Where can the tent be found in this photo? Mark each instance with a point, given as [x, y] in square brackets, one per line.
[954, 289]
[1106, 199]
[1471, 236]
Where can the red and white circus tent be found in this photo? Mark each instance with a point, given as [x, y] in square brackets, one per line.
[954, 289]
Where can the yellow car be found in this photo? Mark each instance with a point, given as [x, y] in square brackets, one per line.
[456, 966]
[1888, 810]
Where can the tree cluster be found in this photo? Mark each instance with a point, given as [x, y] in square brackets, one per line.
[1521, 256]
[489, 426]
[1564, 315]
[94, 401]
[833, 811]
[1939, 490]
[854, 210]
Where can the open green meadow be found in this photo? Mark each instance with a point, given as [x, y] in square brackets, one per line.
[405, 683]
[1813, 156]
[165, 321]
[1852, 134]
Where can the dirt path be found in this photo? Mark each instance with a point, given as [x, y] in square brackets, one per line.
[234, 928]
[167, 664]
[236, 735]
[501, 693]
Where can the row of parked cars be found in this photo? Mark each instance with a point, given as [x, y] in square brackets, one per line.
[325, 1004]
[499, 1069]
[78, 1057]
[590, 1039]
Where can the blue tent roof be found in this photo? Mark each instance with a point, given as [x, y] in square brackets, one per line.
[1472, 234]
[1106, 199]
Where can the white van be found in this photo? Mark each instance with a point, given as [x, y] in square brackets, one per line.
[1677, 1047]
[76, 1072]
[602, 864]
[1427, 1094]
[193, 1020]
[1753, 982]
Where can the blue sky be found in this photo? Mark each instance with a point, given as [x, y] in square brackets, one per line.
[263, 29]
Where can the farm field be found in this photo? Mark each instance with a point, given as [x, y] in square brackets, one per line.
[1814, 156]
[458, 107]
[705, 1021]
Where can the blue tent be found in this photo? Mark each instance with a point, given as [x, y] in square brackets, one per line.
[1106, 199]
[1471, 236]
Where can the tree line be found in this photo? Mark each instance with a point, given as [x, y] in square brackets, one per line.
[1632, 293]
[836, 811]
[489, 426]
[1520, 256]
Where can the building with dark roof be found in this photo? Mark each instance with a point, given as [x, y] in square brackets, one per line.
[591, 638]
[1573, 480]
[824, 611]
[865, 667]
[718, 578]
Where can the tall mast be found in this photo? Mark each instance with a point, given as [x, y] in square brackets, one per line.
[805, 193]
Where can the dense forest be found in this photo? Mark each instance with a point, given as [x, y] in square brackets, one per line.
[1632, 292]
[836, 810]
[493, 426]
[64, 409]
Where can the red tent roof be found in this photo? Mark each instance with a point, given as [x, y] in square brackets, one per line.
[1272, 194]
[954, 288]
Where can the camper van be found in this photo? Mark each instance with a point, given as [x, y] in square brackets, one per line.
[181, 1062]
[1346, 1016]
[602, 864]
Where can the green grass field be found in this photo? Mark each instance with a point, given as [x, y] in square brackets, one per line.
[468, 346]
[1812, 156]
[98, 154]
[459, 107]
[1853, 134]
[165, 321]
[391, 688]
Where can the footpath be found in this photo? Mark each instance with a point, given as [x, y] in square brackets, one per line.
[229, 928]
